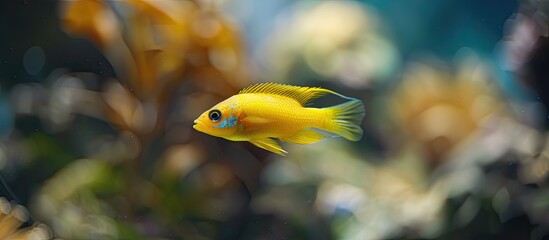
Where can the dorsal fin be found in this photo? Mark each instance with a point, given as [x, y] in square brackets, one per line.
[300, 94]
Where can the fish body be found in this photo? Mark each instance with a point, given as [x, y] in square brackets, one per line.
[262, 112]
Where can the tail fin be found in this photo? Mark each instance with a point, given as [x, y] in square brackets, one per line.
[346, 119]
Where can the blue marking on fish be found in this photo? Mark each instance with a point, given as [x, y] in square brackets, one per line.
[222, 124]
[227, 122]
[232, 121]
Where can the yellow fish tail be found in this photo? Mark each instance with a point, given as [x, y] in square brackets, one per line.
[346, 119]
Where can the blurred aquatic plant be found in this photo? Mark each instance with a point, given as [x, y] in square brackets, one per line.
[523, 50]
[535, 169]
[12, 216]
[538, 10]
[171, 60]
[75, 210]
[359, 199]
[441, 110]
[339, 41]
[153, 47]
[475, 147]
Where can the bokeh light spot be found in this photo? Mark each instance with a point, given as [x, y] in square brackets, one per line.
[34, 60]
[223, 59]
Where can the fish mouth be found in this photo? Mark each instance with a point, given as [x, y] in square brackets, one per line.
[195, 126]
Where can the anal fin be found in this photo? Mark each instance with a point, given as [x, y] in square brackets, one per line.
[306, 136]
[269, 145]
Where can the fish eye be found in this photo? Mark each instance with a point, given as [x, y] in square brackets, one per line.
[215, 115]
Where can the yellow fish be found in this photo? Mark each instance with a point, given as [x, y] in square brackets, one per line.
[265, 111]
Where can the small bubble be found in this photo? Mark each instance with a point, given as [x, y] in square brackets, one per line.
[100, 72]
[5, 61]
[35, 130]
[99, 63]
[131, 89]
[26, 2]
[87, 59]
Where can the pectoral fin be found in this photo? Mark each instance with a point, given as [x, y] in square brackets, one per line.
[306, 136]
[269, 145]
